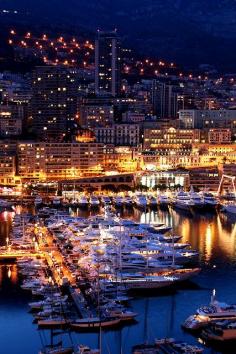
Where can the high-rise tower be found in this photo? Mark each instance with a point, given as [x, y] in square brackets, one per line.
[107, 64]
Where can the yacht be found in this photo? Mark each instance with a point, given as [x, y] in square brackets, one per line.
[220, 331]
[118, 202]
[94, 202]
[54, 322]
[210, 202]
[128, 202]
[209, 314]
[105, 200]
[94, 323]
[166, 345]
[196, 199]
[83, 201]
[156, 280]
[182, 201]
[56, 201]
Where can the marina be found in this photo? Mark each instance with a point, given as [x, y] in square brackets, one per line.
[159, 271]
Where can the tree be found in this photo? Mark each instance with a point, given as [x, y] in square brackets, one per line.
[141, 187]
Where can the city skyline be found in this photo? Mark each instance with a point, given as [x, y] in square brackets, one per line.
[117, 177]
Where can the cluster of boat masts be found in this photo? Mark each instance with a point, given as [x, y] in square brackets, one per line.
[128, 255]
[106, 257]
[187, 201]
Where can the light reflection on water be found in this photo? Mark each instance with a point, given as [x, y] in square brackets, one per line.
[160, 315]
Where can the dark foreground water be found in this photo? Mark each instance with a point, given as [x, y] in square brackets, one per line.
[160, 314]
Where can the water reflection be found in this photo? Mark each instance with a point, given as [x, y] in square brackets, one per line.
[212, 234]
[8, 275]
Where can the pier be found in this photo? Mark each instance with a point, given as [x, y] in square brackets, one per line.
[16, 254]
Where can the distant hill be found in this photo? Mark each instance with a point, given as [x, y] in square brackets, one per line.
[190, 31]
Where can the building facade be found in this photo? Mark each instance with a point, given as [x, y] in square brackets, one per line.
[11, 119]
[107, 64]
[199, 119]
[219, 136]
[119, 135]
[54, 161]
[96, 115]
[154, 138]
[54, 102]
[164, 100]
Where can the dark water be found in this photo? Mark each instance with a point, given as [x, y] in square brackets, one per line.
[160, 314]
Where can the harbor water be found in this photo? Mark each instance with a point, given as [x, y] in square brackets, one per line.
[160, 313]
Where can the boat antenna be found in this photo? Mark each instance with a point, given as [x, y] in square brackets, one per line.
[213, 296]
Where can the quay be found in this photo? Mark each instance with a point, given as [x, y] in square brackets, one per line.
[15, 254]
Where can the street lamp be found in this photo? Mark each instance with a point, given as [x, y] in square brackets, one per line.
[7, 242]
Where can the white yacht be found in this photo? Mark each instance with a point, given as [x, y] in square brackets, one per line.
[209, 314]
[156, 280]
[182, 201]
[196, 199]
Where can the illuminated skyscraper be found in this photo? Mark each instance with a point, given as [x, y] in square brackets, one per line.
[107, 64]
[54, 101]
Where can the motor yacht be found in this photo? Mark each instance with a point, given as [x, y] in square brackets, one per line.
[207, 314]
[210, 202]
[196, 199]
[182, 201]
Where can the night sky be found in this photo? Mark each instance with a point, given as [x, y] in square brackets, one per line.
[188, 31]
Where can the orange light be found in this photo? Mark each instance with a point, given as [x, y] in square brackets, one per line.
[12, 32]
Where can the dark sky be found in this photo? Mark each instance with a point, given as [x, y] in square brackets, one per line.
[189, 31]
